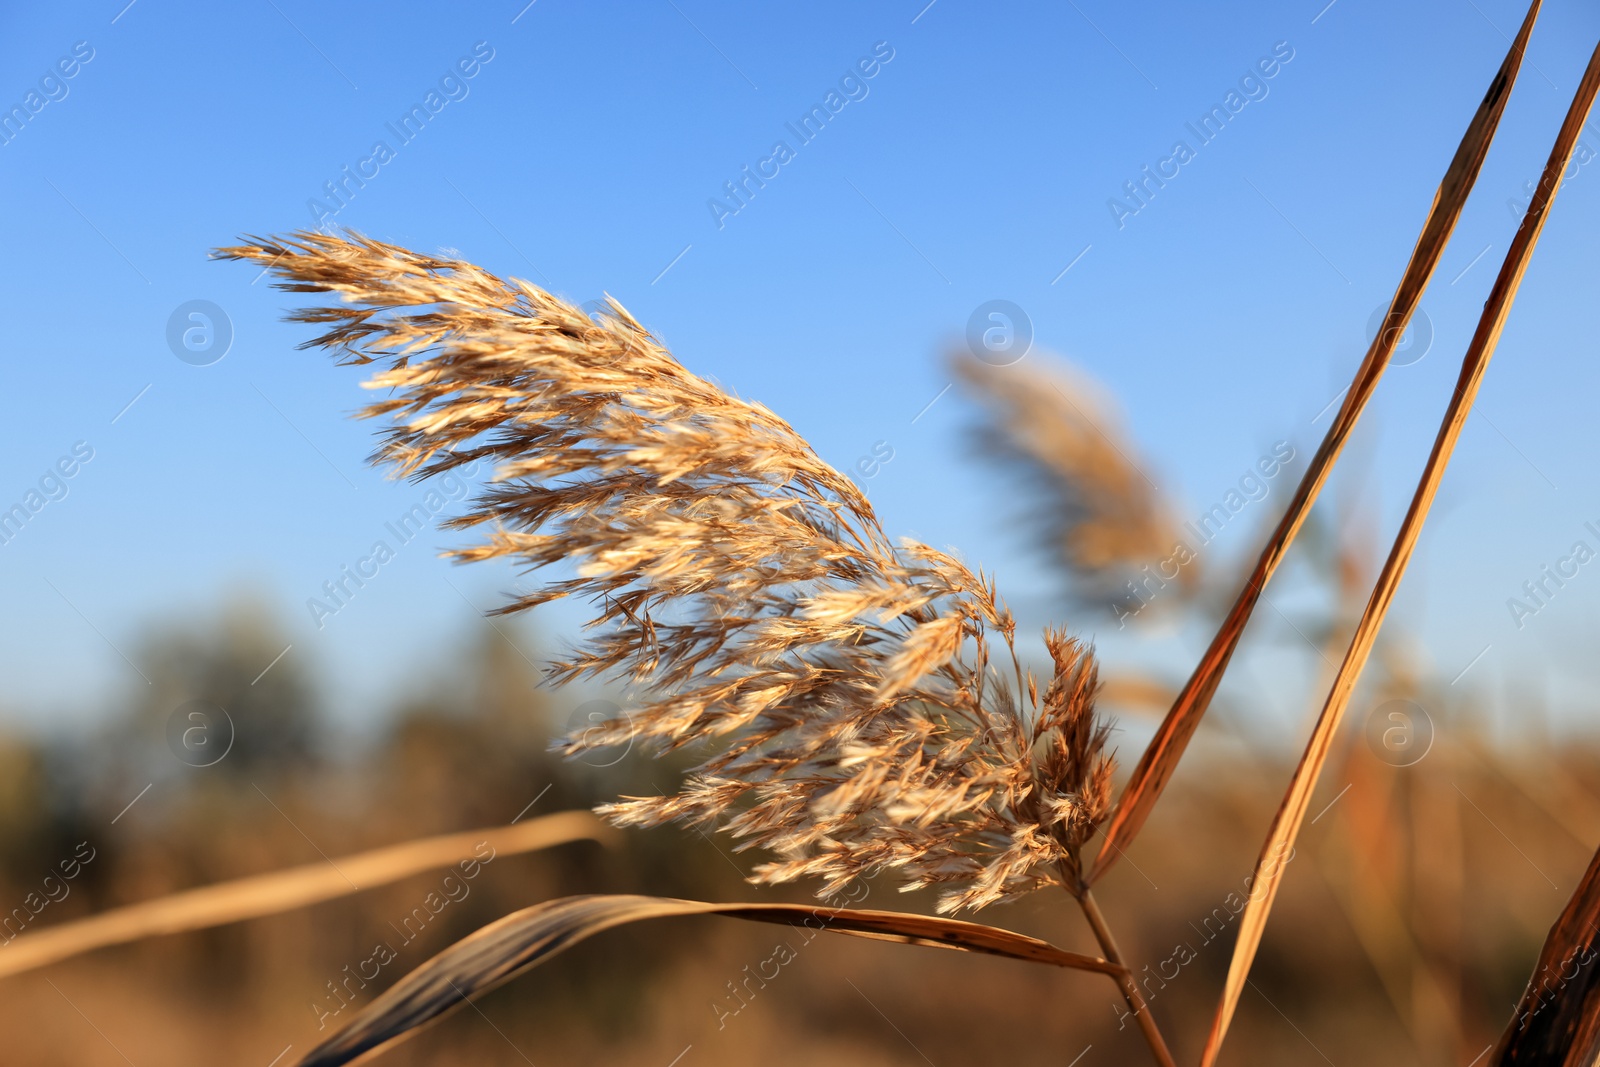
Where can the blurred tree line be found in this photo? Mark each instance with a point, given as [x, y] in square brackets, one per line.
[465, 750]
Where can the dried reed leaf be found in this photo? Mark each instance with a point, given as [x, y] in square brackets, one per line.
[1166, 748]
[1090, 503]
[1557, 1020]
[862, 703]
[1279, 845]
[280, 891]
[524, 939]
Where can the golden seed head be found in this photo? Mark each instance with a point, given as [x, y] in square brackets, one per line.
[860, 721]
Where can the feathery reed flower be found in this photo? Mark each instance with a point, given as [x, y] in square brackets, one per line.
[863, 702]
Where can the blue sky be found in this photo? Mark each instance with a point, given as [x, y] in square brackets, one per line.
[977, 162]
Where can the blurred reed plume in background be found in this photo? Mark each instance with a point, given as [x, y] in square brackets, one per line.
[1087, 497]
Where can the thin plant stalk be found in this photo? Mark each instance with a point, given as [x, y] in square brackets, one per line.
[1279, 844]
[1130, 988]
[1166, 748]
[298, 887]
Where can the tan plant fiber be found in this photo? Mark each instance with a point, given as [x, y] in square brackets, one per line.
[864, 702]
[281, 891]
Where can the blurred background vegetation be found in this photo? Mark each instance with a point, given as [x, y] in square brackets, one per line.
[1408, 924]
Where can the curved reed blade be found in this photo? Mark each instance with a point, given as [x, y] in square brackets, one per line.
[1279, 846]
[1557, 1021]
[269, 894]
[1166, 748]
[526, 938]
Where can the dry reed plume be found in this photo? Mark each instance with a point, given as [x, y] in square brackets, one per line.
[867, 698]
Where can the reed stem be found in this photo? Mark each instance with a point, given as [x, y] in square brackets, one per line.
[1130, 988]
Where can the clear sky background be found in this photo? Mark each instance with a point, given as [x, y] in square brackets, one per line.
[1225, 315]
